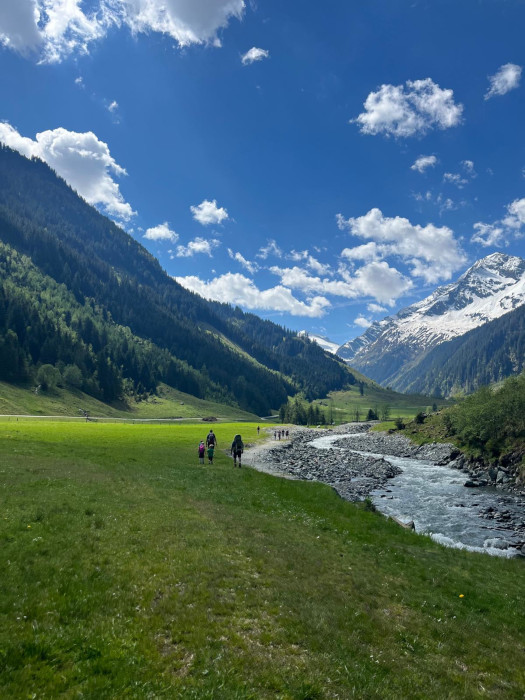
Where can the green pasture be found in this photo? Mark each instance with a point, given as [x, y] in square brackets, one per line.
[343, 404]
[130, 571]
[168, 404]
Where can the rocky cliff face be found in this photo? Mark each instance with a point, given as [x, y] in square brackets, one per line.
[492, 287]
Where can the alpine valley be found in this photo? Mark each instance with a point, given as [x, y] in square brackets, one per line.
[464, 335]
[81, 297]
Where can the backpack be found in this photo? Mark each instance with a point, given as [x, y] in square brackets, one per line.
[238, 443]
[211, 440]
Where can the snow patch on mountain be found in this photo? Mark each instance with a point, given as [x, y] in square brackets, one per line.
[322, 341]
[492, 287]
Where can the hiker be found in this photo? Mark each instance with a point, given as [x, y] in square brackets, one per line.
[202, 450]
[211, 450]
[211, 440]
[237, 449]
[258, 430]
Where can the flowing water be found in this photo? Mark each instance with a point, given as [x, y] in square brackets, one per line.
[435, 498]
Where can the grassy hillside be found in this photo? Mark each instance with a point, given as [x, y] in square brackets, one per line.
[345, 403]
[169, 403]
[131, 571]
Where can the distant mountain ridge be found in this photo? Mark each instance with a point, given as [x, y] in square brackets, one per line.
[392, 351]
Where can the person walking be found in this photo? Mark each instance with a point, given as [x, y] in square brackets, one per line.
[258, 429]
[211, 450]
[237, 449]
[211, 440]
[202, 451]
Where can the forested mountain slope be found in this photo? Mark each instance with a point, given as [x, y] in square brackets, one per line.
[482, 356]
[116, 313]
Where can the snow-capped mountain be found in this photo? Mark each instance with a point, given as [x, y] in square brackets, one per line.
[322, 341]
[492, 287]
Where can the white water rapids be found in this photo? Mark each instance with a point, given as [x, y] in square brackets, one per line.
[435, 498]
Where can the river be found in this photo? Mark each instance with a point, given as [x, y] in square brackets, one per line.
[436, 500]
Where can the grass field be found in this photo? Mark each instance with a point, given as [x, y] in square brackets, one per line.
[343, 404]
[130, 571]
[170, 403]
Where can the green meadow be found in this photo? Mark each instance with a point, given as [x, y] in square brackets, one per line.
[130, 571]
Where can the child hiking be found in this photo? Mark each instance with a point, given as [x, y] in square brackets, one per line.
[211, 450]
[237, 449]
[202, 450]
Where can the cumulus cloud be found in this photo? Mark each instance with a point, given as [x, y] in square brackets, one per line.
[432, 252]
[81, 159]
[198, 246]
[113, 106]
[366, 252]
[310, 261]
[270, 249]
[362, 322]
[253, 55]
[207, 213]
[410, 110]
[376, 308]
[515, 218]
[252, 267]
[54, 29]
[240, 290]
[376, 279]
[424, 162]
[162, 232]
[455, 179]
[505, 79]
[488, 235]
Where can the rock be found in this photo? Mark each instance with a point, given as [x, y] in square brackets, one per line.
[471, 483]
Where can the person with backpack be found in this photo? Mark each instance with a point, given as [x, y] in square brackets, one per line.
[202, 450]
[211, 440]
[237, 449]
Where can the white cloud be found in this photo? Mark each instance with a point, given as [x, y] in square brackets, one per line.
[431, 251]
[81, 159]
[113, 106]
[270, 249]
[252, 267]
[468, 165]
[395, 110]
[362, 322]
[207, 213]
[186, 21]
[162, 232]
[376, 308]
[488, 235]
[376, 279]
[238, 289]
[54, 29]
[196, 247]
[424, 162]
[515, 218]
[505, 79]
[455, 179]
[254, 54]
[310, 261]
[498, 233]
[367, 252]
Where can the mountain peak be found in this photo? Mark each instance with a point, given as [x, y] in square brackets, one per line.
[492, 287]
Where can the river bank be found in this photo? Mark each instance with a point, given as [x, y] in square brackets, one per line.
[359, 464]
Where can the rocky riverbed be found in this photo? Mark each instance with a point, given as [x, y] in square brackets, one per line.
[356, 476]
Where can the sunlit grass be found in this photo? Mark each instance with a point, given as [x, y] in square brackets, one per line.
[129, 570]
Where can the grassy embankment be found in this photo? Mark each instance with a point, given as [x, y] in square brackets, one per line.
[128, 570]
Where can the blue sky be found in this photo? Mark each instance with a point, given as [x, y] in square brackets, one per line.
[322, 165]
